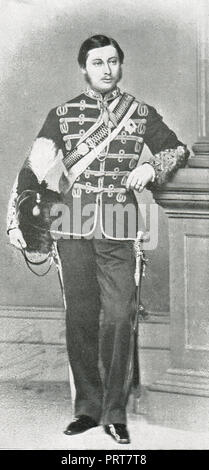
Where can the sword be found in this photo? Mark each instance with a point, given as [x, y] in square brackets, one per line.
[141, 314]
[57, 262]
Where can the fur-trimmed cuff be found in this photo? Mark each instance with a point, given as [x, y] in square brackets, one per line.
[166, 162]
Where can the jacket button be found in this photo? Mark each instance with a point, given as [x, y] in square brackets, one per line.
[132, 163]
[121, 197]
[68, 144]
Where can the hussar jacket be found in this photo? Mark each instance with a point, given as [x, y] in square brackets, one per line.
[98, 195]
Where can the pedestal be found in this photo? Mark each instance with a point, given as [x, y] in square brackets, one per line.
[181, 397]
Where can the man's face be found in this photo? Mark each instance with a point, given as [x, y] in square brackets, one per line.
[103, 69]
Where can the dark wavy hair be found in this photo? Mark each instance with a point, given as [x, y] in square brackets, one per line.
[94, 42]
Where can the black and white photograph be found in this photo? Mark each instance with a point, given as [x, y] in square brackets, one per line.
[104, 279]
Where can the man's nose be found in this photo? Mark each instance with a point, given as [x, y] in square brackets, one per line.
[107, 68]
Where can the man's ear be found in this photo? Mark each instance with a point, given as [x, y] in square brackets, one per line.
[83, 70]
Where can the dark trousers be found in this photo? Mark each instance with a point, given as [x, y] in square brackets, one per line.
[99, 274]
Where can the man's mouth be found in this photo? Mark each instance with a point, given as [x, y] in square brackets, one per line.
[107, 79]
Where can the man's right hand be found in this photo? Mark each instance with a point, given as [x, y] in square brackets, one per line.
[16, 238]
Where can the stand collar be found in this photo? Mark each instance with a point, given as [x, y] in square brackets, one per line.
[95, 95]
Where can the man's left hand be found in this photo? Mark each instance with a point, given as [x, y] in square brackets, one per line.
[140, 176]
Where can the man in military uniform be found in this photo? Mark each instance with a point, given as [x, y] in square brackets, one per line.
[88, 151]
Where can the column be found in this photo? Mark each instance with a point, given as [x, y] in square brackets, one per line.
[201, 146]
[180, 398]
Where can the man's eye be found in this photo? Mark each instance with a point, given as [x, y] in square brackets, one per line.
[113, 61]
[97, 63]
